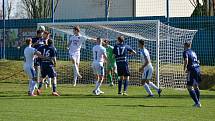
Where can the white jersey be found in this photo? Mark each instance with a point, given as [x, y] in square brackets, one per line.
[144, 53]
[98, 52]
[29, 56]
[76, 43]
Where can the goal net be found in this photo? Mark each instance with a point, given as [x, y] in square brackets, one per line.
[165, 44]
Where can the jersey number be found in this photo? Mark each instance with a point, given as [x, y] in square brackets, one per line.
[46, 53]
[122, 49]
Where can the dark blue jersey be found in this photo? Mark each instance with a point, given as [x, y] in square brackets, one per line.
[47, 51]
[192, 59]
[37, 42]
[121, 52]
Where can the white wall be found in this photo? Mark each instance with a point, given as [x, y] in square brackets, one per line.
[75, 9]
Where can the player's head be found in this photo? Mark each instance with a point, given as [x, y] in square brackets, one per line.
[106, 42]
[141, 43]
[187, 45]
[46, 34]
[76, 30]
[39, 33]
[99, 41]
[49, 42]
[120, 39]
[28, 41]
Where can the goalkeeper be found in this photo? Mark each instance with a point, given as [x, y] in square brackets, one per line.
[111, 62]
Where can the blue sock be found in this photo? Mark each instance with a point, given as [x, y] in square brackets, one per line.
[40, 85]
[54, 86]
[125, 85]
[119, 86]
[197, 93]
[193, 96]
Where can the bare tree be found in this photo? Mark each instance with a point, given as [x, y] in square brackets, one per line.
[39, 8]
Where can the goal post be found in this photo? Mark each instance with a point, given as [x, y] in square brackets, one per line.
[165, 44]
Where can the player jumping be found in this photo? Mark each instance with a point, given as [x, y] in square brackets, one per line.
[147, 70]
[192, 68]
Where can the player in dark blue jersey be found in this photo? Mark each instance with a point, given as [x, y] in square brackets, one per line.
[47, 65]
[192, 68]
[121, 52]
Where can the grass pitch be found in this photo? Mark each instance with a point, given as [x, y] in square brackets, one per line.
[78, 104]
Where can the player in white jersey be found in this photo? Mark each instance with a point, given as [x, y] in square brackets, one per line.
[147, 70]
[74, 44]
[29, 54]
[99, 56]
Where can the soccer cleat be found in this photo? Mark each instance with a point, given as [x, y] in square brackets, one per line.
[96, 92]
[119, 93]
[125, 94]
[197, 105]
[55, 94]
[150, 96]
[29, 93]
[159, 92]
[39, 92]
[33, 95]
[74, 85]
[101, 92]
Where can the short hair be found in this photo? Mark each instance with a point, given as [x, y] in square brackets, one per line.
[188, 44]
[76, 28]
[50, 42]
[46, 32]
[141, 42]
[39, 31]
[106, 41]
[121, 39]
[28, 40]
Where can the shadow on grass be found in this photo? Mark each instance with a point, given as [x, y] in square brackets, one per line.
[67, 96]
[145, 106]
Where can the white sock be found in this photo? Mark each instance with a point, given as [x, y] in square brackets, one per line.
[75, 69]
[33, 83]
[151, 84]
[49, 81]
[98, 84]
[148, 90]
[75, 74]
[29, 85]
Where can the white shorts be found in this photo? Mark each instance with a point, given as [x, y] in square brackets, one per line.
[147, 74]
[75, 57]
[30, 71]
[98, 68]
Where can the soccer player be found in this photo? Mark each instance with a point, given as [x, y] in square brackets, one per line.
[111, 62]
[46, 36]
[99, 56]
[47, 65]
[29, 53]
[74, 44]
[147, 70]
[121, 51]
[192, 68]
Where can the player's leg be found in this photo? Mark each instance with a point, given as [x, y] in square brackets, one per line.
[99, 72]
[149, 73]
[53, 75]
[32, 80]
[145, 82]
[109, 75]
[190, 83]
[115, 72]
[196, 85]
[126, 74]
[121, 78]
[74, 59]
[44, 73]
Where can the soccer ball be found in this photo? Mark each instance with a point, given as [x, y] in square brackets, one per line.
[42, 28]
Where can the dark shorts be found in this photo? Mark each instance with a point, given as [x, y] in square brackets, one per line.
[194, 77]
[123, 69]
[48, 71]
[36, 62]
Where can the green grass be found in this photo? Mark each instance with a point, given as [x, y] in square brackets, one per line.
[78, 104]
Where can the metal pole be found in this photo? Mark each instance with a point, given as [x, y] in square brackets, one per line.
[52, 11]
[167, 11]
[158, 53]
[106, 9]
[3, 28]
